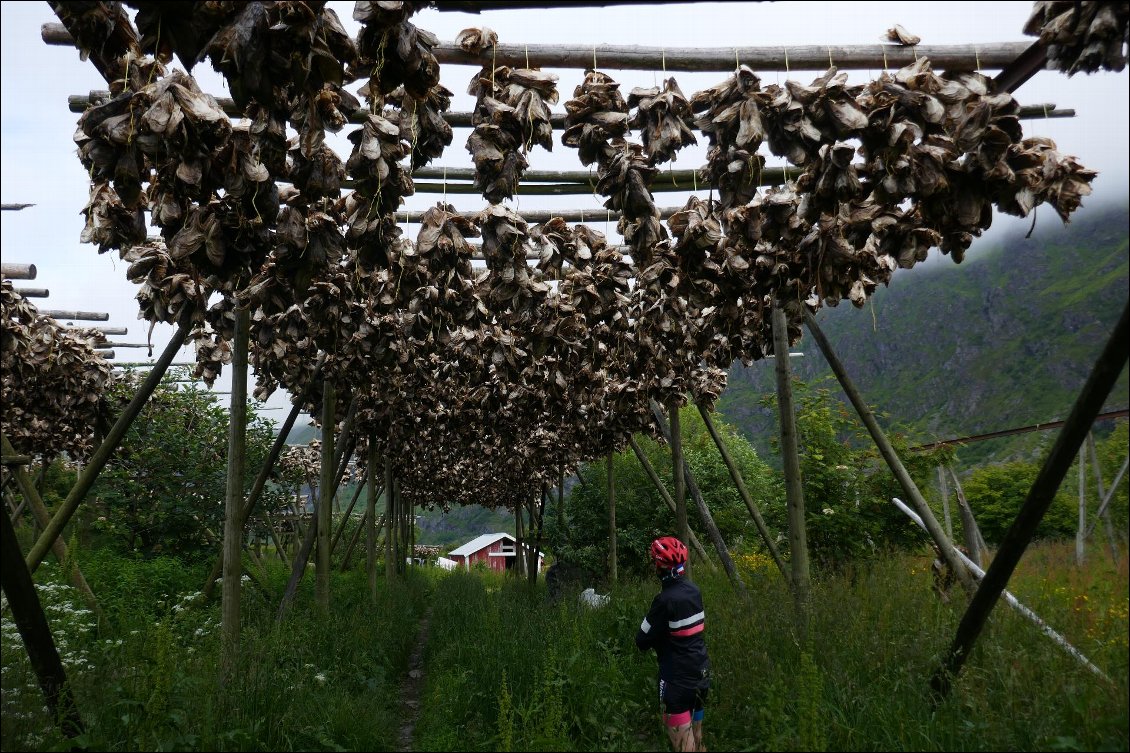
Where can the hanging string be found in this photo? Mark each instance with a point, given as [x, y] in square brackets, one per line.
[787, 73]
[830, 63]
[445, 184]
[1046, 115]
[527, 55]
[885, 70]
[594, 57]
[977, 56]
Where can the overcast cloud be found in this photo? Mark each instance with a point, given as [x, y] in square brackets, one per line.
[39, 164]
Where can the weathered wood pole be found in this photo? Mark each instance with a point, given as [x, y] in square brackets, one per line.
[676, 441]
[301, 557]
[696, 545]
[1110, 493]
[892, 458]
[561, 498]
[233, 497]
[970, 532]
[794, 489]
[1103, 513]
[43, 517]
[105, 450]
[390, 511]
[345, 519]
[944, 488]
[371, 519]
[611, 519]
[1080, 533]
[519, 560]
[326, 495]
[703, 511]
[36, 633]
[739, 482]
[1090, 401]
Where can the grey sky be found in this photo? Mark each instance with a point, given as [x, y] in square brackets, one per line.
[39, 164]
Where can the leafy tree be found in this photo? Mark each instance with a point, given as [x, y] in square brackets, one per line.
[163, 490]
[641, 514]
[847, 485]
[996, 492]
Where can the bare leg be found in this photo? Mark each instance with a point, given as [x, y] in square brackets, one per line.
[696, 730]
[682, 739]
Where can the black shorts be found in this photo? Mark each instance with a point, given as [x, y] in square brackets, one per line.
[682, 705]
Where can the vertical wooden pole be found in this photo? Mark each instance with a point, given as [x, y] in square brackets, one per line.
[326, 495]
[1103, 513]
[348, 512]
[680, 482]
[889, 455]
[233, 499]
[743, 492]
[371, 519]
[1016, 539]
[105, 450]
[972, 534]
[611, 519]
[519, 560]
[412, 533]
[944, 488]
[561, 499]
[696, 545]
[390, 563]
[794, 489]
[1080, 534]
[31, 622]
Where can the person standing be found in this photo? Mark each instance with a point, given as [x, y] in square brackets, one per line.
[675, 627]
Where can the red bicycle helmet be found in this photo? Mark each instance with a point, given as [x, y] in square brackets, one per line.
[668, 552]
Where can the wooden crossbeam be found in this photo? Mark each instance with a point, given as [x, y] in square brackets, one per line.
[17, 271]
[79, 103]
[82, 316]
[33, 292]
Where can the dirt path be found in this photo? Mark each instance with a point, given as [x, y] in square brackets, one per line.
[412, 686]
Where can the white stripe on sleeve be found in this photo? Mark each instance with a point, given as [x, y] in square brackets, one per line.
[676, 624]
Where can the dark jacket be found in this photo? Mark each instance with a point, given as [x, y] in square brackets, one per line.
[675, 627]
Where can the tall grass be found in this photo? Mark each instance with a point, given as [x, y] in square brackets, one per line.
[151, 679]
[505, 669]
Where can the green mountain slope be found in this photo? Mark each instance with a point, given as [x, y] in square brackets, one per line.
[1005, 339]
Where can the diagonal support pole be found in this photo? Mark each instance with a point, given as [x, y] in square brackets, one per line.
[1016, 539]
[666, 497]
[106, 450]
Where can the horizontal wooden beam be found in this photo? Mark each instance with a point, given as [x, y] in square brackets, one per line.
[33, 292]
[1106, 416]
[147, 364]
[105, 330]
[592, 217]
[14, 207]
[107, 354]
[82, 316]
[17, 271]
[469, 6]
[79, 103]
[966, 57]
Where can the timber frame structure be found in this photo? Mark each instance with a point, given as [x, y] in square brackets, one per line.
[322, 373]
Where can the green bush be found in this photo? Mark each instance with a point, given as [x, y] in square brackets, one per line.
[996, 492]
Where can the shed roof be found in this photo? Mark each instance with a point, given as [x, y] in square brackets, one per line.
[479, 542]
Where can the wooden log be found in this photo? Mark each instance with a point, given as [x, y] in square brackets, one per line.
[979, 573]
[105, 450]
[963, 57]
[675, 439]
[794, 489]
[299, 567]
[80, 316]
[43, 518]
[349, 511]
[12, 459]
[747, 498]
[696, 545]
[17, 271]
[107, 355]
[233, 497]
[327, 494]
[14, 207]
[703, 511]
[970, 532]
[103, 330]
[31, 622]
[890, 456]
[33, 292]
[1104, 514]
[265, 470]
[1109, 495]
[78, 103]
[371, 519]
[1016, 539]
[390, 564]
[1080, 531]
[611, 518]
[943, 488]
